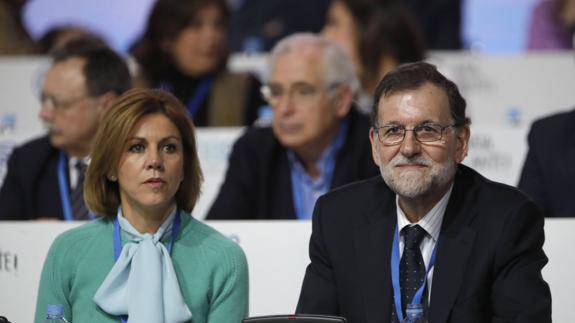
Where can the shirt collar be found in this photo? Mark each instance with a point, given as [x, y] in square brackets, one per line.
[73, 160]
[327, 156]
[431, 221]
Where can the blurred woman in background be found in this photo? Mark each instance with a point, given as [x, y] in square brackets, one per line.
[146, 260]
[184, 51]
[14, 38]
[377, 35]
[552, 25]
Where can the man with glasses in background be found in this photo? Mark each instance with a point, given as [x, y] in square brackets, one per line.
[429, 236]
[317, 141]
[45, 176]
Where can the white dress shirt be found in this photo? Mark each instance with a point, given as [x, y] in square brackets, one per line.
[431, 223]
[73, 171]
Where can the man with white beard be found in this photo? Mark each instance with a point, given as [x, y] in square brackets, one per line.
[429, 235]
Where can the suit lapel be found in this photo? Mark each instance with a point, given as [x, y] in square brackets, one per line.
[455, 244]
[452, 258]
[373, 240]
[284, 186]
[570, 146]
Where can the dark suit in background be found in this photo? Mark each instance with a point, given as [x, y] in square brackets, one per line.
[258, 183]
[440, 20]
[30, 188]
[548, 175]
[257, 25]
[489, 257]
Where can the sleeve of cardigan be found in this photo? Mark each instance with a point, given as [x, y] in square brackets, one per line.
[53, 283]
[230, 298]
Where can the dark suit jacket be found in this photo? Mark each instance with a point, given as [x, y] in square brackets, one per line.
[30, 188]
[548, 175]
[258, 182]
[488, 266]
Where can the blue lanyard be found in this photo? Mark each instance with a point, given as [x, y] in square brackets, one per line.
[200, 94]
[64, 192]
[118, 242]
[395, 276]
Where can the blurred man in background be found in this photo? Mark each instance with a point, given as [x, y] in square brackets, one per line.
[45, 176]
[318, 141]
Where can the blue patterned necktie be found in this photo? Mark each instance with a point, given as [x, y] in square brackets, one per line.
[411, 267]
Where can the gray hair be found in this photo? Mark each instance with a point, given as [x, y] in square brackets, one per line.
[337, 67]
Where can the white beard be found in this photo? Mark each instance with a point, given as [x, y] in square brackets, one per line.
[416, 183]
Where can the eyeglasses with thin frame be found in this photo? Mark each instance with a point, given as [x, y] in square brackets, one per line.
[60, 105]
[300, 92]
[426, 132]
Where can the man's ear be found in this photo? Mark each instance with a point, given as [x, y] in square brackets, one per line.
[343, 100]
[373, 139]
[462, 137]
[105, 101]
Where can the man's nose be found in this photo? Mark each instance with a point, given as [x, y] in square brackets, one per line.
[285, 104]
[410, 146]
[46, 112]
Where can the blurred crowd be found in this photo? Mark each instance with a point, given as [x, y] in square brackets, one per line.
[185, 46]
[350, 127]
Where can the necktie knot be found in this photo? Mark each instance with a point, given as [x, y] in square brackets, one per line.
[81, 166]
[413, 236]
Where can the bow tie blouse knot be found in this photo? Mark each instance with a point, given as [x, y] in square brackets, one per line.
[143, 283]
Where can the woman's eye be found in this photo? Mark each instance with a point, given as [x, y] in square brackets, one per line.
[170, 148]
[136, 148]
